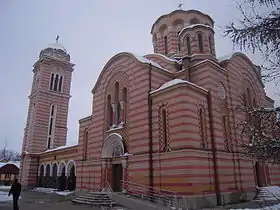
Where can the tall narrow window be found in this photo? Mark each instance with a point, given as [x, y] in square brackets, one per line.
[179, 42]
[51, 83]
[125, 104]
[165, 46]
[188, 41]
[200, 42]
[226, 130]
[164, 130]
[210, 45]
[85, 144]
[109, 112]
[202, 125]
[51, 126]
[60, 84]
[56, 82]
[117, 104]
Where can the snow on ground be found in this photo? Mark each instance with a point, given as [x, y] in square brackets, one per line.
[4, 197]
[51, 190]
[274, 207]
[65, 193]
[2, 187]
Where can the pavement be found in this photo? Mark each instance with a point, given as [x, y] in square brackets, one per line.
[42, 201]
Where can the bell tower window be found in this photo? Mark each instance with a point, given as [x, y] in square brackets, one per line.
[56, 82]
[200, 42]
[51, 126]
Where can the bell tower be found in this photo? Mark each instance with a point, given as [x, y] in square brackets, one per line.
[46, 124]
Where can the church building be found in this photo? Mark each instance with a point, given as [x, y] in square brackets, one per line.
[166, 120]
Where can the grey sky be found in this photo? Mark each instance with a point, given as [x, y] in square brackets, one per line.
[92, 31]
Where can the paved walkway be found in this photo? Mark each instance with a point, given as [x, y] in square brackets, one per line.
[43, 201]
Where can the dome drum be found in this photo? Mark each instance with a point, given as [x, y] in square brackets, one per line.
[57, 51]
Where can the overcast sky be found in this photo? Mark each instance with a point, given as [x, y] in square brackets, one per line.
[92, 31]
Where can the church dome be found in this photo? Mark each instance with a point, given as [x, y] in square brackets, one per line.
[55, 50]
[56, 46]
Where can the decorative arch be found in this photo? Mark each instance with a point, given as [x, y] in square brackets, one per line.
[41, 170]
[54, 169]
[48, 169]
[61, 168]
[70, 164]
[112, 144]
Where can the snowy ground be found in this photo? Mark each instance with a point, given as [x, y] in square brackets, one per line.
[274, 207]
[2, 187]
[4, 197]
[50, 190]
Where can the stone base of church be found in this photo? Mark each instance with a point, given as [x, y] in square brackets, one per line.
[210, 200]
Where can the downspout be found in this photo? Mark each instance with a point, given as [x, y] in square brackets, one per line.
[214, 151]
[151, 179]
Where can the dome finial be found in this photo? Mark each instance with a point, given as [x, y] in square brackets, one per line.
[57, 37]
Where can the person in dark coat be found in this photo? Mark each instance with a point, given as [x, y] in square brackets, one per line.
[15, 191]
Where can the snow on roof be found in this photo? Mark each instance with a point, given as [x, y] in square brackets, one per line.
[145, 60]
[165, 57]
[193, 26]
[225, 57]
[175, 82]
[16, 163]
[59, 148]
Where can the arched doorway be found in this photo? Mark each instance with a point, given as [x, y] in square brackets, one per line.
[48, 175]
[54, 175]
[71, 173]
[41, 176]
[259, 174]
[113, 147]
[61, 176]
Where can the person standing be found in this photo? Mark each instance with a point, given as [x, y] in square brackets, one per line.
[15, 191]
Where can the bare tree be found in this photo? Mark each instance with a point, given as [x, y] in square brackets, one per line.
[262, 129]
[259, 30]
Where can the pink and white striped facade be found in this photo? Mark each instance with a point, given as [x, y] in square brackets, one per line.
[173, 112]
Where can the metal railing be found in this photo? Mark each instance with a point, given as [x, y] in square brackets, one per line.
[165, 198]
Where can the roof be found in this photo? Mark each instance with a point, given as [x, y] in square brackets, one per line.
[176, 82]
[57, 46]
[59, 148]
[180, 11]
[16, 163]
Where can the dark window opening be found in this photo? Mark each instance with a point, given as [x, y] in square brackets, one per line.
[200, 42]
[210, 45]
[60, 84]
[189, 46]
[51, 84]
[165, 46]
[164, 130]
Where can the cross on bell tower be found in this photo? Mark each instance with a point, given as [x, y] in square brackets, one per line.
[180, 6]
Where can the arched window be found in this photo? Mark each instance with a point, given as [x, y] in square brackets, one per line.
[226, 132]
[179, 42]
[194, 21]
[116, 94]
[188, 42]
[124, 94]
[51, 128]
[163, 129]
[202, 126]
[117, 104]
[210, 45]
[109, 112]
[56, 82]
[85, 144]
[200, 42]
[165, 46]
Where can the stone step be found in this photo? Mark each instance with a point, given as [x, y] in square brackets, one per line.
[94, 203]
[94, 199]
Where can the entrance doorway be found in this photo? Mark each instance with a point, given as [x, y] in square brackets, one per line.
[117, 176]
[259, 174]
